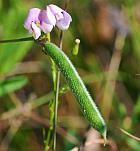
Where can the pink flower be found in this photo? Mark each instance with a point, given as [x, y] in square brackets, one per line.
[38, 20]
[63, 19]
[44, 20]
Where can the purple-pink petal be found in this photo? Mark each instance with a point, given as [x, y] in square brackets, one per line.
[63, 19]
[57, 11]
[50, 17]
[38, 20]
[36, 30]
[64, 23]
[46, 24]
[44, 20]
[46, 28]
[32, 17]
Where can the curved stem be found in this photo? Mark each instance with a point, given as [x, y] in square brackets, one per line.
[17, 40]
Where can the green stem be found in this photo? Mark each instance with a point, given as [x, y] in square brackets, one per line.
[48, 140]
[56, 97]
[51, 104]
[17, 40]
[52, 108]
[56, 108]
[54, 104]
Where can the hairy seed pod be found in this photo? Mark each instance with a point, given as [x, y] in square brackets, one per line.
[87, 105]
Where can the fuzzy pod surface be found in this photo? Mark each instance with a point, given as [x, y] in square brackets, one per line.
[87, 105]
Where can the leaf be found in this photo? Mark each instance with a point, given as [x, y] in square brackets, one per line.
[12, 27]
[12, 84]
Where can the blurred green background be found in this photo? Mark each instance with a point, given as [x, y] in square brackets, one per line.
[108, 61]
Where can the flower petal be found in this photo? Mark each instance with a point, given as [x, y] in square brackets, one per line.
[46, 28]
[32, 17]
[50, 17]
[36, 30]
[47, 17]
[57, 11]
[64, 23]
[47, 20]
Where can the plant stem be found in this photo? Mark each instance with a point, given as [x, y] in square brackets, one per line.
[17, 40]
[56, 108]
[56, 97]
[48, 140]
[54, 104]
[51, 104]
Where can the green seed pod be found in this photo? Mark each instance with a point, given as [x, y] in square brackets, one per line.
[87, 105]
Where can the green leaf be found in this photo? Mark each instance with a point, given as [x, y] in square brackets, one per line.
[12, 27]
[12, 84]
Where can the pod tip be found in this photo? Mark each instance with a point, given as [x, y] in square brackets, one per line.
[104, 136]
